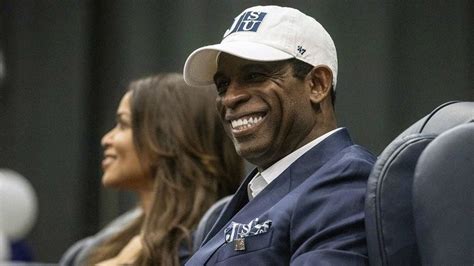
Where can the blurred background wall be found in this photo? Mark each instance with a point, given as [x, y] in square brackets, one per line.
[67, 63]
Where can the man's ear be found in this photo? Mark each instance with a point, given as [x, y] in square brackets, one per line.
[320, 82]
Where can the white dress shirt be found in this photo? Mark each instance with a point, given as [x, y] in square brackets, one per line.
[261, 180]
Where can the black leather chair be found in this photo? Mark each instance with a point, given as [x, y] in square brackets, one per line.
[390, 223]
[443, 204]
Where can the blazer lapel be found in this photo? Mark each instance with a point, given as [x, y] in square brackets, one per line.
[238, 201]
[239, 208]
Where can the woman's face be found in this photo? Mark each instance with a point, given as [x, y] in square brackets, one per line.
[121, 165]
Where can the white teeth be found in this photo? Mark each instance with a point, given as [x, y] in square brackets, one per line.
[245, 123]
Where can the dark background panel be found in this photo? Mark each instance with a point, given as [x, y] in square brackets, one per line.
[68, 62]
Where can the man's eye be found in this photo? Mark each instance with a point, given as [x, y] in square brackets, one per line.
[222, 86]
[255, 77]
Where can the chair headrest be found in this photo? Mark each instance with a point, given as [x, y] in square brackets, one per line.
[442, 118]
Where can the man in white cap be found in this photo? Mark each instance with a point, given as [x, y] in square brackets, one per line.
[276, 72]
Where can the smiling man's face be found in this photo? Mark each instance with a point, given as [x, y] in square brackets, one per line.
[265, 109]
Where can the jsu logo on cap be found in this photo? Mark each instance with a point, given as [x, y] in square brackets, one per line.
[248, 21]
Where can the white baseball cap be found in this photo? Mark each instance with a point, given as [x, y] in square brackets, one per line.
[266, 33]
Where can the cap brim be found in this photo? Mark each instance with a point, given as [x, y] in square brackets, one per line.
[201, 65]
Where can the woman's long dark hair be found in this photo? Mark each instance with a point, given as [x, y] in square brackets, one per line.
[177, 133]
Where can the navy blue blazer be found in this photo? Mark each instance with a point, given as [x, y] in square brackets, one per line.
[316, 209]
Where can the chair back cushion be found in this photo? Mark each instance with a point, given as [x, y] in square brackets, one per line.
[389, 219]
[443, 204]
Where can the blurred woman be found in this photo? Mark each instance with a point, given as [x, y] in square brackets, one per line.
[169, 147]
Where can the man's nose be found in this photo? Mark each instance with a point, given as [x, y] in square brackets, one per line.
[234, 96]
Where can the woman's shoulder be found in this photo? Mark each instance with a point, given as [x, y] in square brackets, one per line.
[79, 251]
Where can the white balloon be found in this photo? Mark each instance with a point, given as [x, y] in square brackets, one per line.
[4, 248]
[18, 205]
